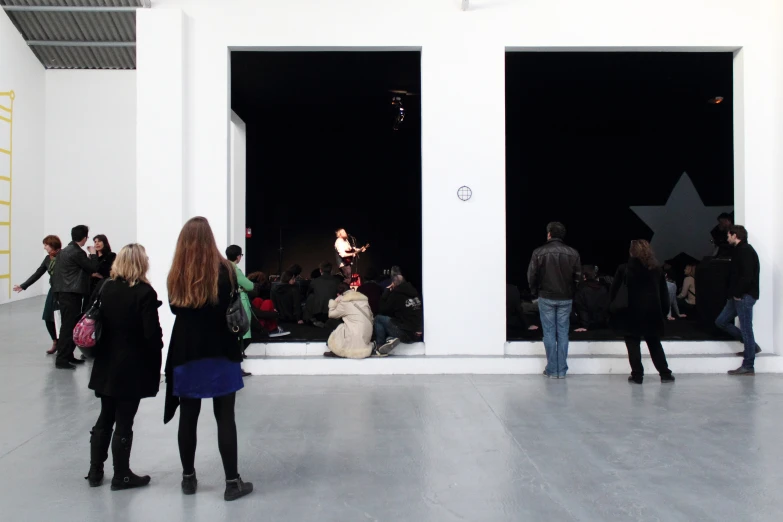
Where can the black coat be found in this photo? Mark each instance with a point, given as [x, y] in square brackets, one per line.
[73, 270]
[555, 270]
[105, 263]
[288, 302]
[46, 266]
[403, 305]
[591, 305]
[648, 300]
[128, 355]
[745, 268]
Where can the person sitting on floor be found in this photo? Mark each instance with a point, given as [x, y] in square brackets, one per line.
[674, 310]
[285, 297]
[687, 298]
[591, 302]
[261, 286]
[353, 338]
[400, 315]
[263, 320]
[322, 290]
[372, 289]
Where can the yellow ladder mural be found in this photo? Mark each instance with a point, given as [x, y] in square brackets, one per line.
[6, 174]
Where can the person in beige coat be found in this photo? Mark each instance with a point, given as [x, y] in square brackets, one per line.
[353, 338]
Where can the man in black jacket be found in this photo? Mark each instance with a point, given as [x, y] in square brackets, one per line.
[287, 300]
[71, 285]
[555, 270]
[400, 315]
[743, 294]
[321, 290]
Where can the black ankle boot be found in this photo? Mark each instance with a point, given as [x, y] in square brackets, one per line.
[237, 489]
[124, 478]
[100, 439]
[189, 483]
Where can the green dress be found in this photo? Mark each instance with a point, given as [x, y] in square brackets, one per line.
[245, 286]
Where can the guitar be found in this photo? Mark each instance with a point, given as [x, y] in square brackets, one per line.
[349, 257]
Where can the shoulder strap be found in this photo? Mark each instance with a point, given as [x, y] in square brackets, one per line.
[369, 317]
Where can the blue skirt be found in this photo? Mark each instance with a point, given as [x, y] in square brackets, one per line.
[207, 378]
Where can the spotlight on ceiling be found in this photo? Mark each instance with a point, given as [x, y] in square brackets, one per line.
[716, 100]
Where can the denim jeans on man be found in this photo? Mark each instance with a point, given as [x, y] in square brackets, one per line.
[556, 322]
[384, 329]
[742, 308]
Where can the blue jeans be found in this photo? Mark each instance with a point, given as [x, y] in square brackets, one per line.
[384, 328]
[725, 321]
[555, 321]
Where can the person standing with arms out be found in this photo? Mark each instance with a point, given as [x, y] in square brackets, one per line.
[127, 364]
[105, 258]
[555, 271]
[52, 246]
[71, 284]
[204, 355]
[648, 306]
[743, 294]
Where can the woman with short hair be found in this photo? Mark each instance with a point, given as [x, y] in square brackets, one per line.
[204, 355]
[52, 246]
[127, 364]
[645, 315]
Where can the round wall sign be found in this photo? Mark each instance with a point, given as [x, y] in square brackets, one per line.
[464, 193]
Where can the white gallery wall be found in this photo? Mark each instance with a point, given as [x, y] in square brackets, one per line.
[90, 143]
[21, 72]
[463, 129]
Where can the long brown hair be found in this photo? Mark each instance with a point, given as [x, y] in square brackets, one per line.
[641, 250]
[193, 278]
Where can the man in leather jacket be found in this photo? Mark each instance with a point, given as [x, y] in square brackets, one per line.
[71, 285]
[555, 271]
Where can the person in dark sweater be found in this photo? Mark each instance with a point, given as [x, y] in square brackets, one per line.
[105, 258]
[743, 294]
[321, 291]
[400, 315]
[372, 290]
[71, 285]
[52, 246]
[286, 299]
[127, 364]
[591, 302]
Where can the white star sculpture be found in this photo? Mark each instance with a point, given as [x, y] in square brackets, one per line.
[683, 224]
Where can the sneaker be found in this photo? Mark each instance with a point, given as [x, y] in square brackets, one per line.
[319, 324]
[743, 371]
[550, 375]
[742, 353]
[668, 379]
[237, 489]
[279, 332]
[390, 344]
[189, 483]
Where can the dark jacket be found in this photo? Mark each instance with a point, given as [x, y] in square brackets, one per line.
[744, 274]
[555, 270]
[200, 333]
[288, 302]
[320, 292]
[128, 355]
[47, 265]
[73, 270]
[591, 305]
[648, 300]
[403, 305]
[373, 291]
[105, 263]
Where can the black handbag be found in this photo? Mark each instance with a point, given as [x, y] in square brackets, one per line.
[620, 302]
[236, 318]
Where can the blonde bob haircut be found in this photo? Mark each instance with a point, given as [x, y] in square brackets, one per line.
[131, 265]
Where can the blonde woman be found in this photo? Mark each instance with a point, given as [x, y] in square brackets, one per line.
[127, 364]
[687, 298]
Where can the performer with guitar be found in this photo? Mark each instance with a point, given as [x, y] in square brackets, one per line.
[347, 253]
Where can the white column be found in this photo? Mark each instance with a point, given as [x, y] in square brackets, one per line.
[238, 183]
[159, 141]
[464, 243]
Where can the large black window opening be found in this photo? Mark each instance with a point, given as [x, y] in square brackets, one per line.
[327, 149]
[591, 135]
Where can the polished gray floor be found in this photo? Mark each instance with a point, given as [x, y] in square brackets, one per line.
[406, 448]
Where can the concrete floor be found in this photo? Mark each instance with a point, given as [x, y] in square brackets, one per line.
[406, 448]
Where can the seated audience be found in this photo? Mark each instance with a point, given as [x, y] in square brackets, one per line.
[261, 286]
[720, 235]
[514, 313]
[353, 338]
[372, 290]
[322, 290]
[263, 320]
[315, 274]
[687, 298]
[591, 302]
[674, 310]
[286, 299]
[400, 315]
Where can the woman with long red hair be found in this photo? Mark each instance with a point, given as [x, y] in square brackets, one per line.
[204, 355]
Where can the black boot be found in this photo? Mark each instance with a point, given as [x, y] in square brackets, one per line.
[124, 478]
[100, 439]
[237, 489]
[189, 483]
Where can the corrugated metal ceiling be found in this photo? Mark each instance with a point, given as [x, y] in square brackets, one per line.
[100, 39]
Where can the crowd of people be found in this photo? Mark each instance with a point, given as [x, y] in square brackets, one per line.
[635, 302]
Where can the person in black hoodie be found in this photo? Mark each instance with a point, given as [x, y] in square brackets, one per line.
[591, 302]
[287, 300]
[645, 314]
[743, 294]
[400, 315]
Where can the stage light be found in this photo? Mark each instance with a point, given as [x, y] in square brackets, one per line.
[716, 100]
[399, 116]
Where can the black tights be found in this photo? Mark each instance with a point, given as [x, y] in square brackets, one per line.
[52, 329]
[119, 411]
[223, 407]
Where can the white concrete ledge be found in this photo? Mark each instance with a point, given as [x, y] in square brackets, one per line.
[618, 348]
[500, 365]
[315, 349]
